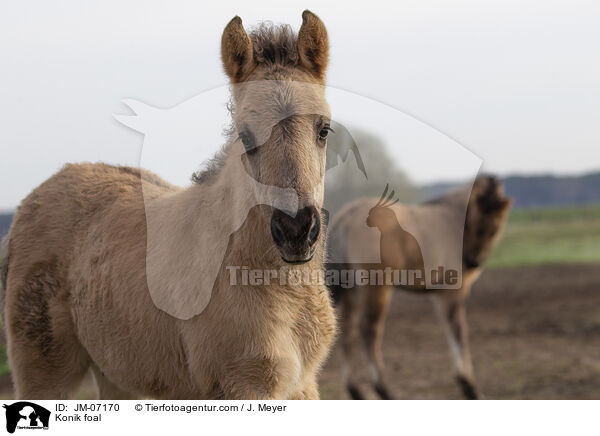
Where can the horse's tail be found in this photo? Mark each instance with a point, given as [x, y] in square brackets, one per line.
[3, 272]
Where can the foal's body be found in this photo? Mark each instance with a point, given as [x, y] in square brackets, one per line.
[75, 267]
[101, 315]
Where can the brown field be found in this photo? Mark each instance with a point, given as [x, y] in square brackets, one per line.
[535, 334]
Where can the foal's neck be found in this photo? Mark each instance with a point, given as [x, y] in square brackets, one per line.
[228, 209]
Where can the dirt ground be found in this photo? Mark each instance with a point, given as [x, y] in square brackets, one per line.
[535, 334]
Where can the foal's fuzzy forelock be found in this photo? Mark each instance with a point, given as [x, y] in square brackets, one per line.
[274, 44]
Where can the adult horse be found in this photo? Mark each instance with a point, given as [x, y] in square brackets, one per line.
[364, 308]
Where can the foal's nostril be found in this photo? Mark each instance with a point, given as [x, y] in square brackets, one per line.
[297, 231]
[276, 232]
[315, 228]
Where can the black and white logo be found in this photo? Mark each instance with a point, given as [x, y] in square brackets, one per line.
[26, 415]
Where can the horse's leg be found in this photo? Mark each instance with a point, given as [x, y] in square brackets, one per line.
[309, 391]
[106, 390]
[376, 305]
[351, 309]
[46, 358]
[451, 310]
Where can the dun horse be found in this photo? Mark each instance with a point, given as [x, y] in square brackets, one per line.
[364, 308]
[73, 266]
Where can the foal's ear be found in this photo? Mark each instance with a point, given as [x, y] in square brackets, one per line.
[236, 50]
[313, 45]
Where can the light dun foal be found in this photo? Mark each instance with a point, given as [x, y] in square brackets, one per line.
[73, 266]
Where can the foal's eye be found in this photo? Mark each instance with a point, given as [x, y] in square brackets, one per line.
[247, 139]
[324, 132]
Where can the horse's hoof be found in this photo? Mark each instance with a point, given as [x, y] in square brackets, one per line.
[468, 388]
[383, 392]
[355, 393]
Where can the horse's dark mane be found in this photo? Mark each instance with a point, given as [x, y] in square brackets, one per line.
[452, 196]
[455, 195]
[274, 44]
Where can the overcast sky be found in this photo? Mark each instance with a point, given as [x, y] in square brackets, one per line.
[516, 82]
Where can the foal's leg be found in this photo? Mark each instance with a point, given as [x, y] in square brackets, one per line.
[451, 311]
[376, 305]
[309, 390]
[46, 358]
[351, 310]
[106, 390]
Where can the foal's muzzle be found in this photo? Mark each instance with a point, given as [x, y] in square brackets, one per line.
[295, 237]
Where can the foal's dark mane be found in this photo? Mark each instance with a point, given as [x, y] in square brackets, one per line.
[273, 46]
